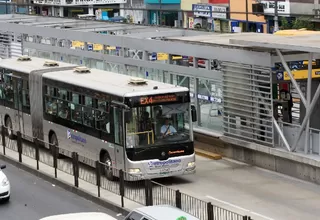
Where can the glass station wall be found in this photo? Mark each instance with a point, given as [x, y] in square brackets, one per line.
[205, 94]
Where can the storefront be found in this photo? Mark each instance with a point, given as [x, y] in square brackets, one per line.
[220, 19]
[283, 11]
[163, 12]
[202, 16]
[210, 17]
[256, 23]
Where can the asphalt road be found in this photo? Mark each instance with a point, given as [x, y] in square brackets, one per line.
[257, 192]
[33, 198]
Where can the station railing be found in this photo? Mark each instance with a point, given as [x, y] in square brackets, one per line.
[142, 191]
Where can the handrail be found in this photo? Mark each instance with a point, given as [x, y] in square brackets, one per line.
[145, 132]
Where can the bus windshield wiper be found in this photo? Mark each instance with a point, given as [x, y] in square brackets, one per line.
[145, 149]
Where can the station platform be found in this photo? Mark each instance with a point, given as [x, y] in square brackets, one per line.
[295, 164]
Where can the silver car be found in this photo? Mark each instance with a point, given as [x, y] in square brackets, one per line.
[159, 212]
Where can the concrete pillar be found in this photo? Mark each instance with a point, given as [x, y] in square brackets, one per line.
[90, 10]
[61, 12]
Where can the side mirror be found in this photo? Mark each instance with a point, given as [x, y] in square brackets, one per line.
[193, 113]
[127, 116]
[3, 167]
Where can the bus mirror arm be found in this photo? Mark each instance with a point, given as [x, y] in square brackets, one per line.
[193, 113]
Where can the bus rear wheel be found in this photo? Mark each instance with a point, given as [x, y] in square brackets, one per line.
[107, 167]
[53, 140]
[8, 124]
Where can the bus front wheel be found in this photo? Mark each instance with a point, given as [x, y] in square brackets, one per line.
[107, 167]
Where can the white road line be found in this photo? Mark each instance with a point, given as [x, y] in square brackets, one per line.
[238, 207]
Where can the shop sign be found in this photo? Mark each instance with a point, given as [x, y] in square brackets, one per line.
[283, 7]
[219, 12]
[202, 10]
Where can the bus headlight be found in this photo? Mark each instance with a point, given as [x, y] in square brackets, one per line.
[191, 164]
[134, 170]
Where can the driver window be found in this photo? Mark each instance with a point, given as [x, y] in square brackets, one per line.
[134, 216]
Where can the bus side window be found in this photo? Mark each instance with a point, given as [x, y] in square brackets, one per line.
[102, 121]
[118, 134]
[51, 105]
[88, 112]
[76, 113]
[25, 94]
[8, 88]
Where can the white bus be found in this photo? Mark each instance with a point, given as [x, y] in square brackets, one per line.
[131, 124]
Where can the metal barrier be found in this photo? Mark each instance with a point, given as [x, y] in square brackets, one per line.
[145, 192]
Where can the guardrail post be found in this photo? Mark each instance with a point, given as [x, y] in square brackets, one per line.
[3, 136]
[246, 218]
[178, 199]
[98, 176]
[55, 153]
[19, 145]
[121, 181]
[210, 211]
[75, 165]
[36, 142]
[148, 192]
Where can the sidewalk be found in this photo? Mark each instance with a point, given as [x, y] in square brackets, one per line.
[87, 187]
[203, 149]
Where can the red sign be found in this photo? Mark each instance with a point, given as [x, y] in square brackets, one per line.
[157, 99]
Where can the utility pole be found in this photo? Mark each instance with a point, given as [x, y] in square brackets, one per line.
[247, 16]
[276, 24]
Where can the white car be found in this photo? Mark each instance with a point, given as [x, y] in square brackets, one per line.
[80, 216]
[4, 185]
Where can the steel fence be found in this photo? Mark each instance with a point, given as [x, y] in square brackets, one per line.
[128, 186]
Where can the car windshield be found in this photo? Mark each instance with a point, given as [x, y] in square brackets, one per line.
[157, 125]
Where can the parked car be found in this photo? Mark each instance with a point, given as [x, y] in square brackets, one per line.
[80, 216]
[159, 212]
[4, 185]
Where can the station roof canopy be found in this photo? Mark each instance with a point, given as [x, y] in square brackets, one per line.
[81, 25]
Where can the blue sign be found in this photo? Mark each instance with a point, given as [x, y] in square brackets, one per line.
[76, 138]
[170, 162]
[202, 10]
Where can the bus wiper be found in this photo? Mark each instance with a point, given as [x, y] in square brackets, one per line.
[146, 149]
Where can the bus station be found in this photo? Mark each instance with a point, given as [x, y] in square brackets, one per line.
[243, 86]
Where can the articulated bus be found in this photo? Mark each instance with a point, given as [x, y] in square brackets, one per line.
[132, 124]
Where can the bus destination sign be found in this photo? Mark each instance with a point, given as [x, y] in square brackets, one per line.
[155, 99]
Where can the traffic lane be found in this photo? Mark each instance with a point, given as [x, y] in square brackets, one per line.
[239, 186]
[33, 198]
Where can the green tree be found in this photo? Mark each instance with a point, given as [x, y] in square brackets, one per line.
[298, 23]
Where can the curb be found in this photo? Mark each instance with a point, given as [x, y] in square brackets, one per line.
[62, 184]
[208, 154]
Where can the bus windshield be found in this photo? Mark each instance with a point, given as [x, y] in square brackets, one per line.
[157, 125]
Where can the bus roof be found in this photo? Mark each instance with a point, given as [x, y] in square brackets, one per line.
[112, 83]
[80, 216]
[28, 66]
[165, 212]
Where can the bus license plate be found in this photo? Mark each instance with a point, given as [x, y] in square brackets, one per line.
[165, 171]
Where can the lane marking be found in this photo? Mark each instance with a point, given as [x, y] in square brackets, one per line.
[238, 207]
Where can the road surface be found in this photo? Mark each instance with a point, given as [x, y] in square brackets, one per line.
[240, 187]
[33, 198]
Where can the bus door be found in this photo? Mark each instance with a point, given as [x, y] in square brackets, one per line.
[17, 88]
[118, 137]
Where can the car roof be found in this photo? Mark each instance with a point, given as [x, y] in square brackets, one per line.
[164, 212]
[80, 216]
